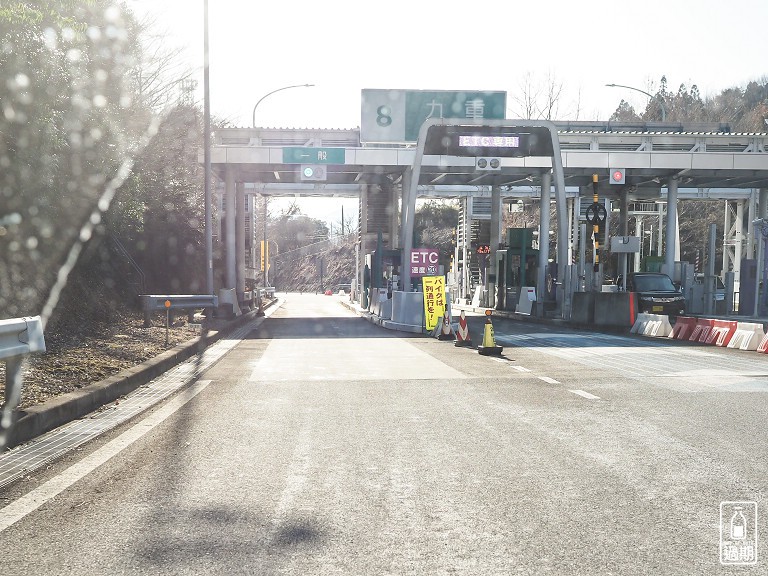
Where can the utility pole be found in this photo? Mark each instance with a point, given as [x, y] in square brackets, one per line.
[264, 245]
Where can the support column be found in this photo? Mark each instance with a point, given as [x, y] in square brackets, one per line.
[733, 236]
[494, 242]
[465, 244]
[541, 276]
[709, 277]
[253, 233]
[265, 276]
[363, 226]
[229, 229]
[240, 240]
[660, 235]
[394, 229]
[624, 231]
[640, 233]
[573, 223]
[749, 248]
[671, 232]
[410, 185]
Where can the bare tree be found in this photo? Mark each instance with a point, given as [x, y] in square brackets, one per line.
[525, 99]
[160, 76]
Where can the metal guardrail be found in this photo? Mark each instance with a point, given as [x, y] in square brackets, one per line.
[18, 338]
[189, 302]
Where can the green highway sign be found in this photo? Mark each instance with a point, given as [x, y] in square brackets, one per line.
[396, 115]
[296, 155]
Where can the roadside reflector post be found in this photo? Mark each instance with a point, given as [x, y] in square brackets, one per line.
[167, 319]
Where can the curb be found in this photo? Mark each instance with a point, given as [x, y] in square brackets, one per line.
[41, 418]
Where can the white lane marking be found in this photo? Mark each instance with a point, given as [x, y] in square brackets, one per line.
[586, 395]
[520, 369]
[548, 380]
[31, 501]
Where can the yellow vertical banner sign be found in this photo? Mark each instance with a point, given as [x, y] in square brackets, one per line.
[434, 299]
[264, 254]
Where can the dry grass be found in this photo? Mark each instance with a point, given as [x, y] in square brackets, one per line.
[80, 356]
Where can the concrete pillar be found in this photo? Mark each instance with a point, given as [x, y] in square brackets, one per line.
[583, 257]
[229, 230]
[465, 245]
[640, 233]
[408, 211]
[733, 237]
[660, 234]
[709, 277]
[749, 248]
[253, 232]
[394, 216]
[573, 227]
[240, 239]
[671, 232]
[624, 231]
[363, 225]
[541, 277]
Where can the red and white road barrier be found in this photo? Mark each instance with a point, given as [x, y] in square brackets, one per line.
[684, 326]
[721, 332]
[652, 325]
[748, 336]
[701, 331]
[763, 346]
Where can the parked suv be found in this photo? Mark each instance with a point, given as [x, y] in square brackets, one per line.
[656, 293]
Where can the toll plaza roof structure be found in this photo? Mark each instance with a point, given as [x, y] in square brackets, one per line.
[705, 158]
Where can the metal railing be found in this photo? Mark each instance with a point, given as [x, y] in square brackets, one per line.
[188, 302]
[18, 338]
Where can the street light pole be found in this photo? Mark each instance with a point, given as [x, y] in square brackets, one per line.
[661, 102]
[273, 91]
[207, 158]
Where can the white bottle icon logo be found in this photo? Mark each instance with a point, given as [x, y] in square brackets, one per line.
[738, 525]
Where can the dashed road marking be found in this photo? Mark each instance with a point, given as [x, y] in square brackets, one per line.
[586, 395]
[548, 380]
[520, 369]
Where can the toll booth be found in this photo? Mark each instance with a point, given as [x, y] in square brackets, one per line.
[518, 266]
[747, 285]
[385, 266]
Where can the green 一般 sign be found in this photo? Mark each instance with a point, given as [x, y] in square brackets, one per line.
[310, 155]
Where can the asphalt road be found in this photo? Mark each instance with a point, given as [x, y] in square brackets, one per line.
[322, 444]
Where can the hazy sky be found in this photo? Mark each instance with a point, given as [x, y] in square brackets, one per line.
[343, 46]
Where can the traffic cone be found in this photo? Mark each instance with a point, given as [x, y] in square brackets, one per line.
[447, 331]
[462, 336]
[488, 347]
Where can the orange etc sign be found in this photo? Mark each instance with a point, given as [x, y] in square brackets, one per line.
[434, 299]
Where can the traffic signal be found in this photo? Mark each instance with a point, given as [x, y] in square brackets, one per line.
[313, 172]
[488, 164]
[618, 176]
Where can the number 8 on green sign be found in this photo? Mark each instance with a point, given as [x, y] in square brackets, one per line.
[383, 117]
